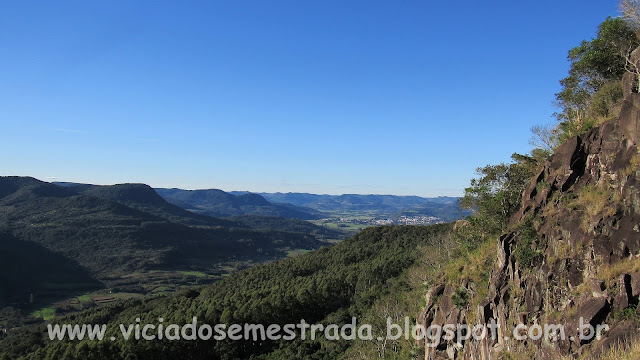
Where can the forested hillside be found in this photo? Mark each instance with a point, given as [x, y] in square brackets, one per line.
[329, 285]
[145, 198]
[29, 271]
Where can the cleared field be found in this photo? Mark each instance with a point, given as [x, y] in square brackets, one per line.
[45, 313]
[133, 285]
[348, 227]
[297, 252]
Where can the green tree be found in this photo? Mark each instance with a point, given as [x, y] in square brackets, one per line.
[494, 196]
[594, 63]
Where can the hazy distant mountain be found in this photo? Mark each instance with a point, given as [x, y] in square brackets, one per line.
[215, 202]
[353, 201]
[445, 208]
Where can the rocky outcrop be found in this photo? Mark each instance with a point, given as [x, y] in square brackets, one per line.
[584, 206]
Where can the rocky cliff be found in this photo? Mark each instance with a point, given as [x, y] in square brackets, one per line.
[572, 251]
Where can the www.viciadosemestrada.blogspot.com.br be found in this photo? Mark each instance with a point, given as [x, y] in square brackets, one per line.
[432, 335]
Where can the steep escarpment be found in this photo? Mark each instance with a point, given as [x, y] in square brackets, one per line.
[571, 252]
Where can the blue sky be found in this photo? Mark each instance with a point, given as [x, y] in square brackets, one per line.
[386, 97]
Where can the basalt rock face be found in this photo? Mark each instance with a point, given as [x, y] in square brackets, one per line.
[584, 207]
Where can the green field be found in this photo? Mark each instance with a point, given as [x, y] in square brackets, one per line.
[297, 252]
[186, 273]
[134, 285]
[46, 313]
[85, 298]
[333, 221]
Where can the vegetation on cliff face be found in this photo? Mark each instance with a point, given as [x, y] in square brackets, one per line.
[592, 92]
[568, 243]
[593, 86]
[495, 196]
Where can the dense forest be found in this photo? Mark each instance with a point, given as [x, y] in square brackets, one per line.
[329, 285]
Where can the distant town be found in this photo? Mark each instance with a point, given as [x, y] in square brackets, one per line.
[402, 220]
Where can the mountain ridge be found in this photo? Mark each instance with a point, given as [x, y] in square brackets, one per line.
[143, 197]
[215, 202]
[389, 206]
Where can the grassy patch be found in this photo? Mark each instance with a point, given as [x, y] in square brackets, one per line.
[475, 265]
[623, 352]
[634, 165]
[629, 350]
[46, 313]
[228, 269]
[595, 200]
[297, 252]
[160, 290]
[194, 273]
[85, 298]
[612, 272]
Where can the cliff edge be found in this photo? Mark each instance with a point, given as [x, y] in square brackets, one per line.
[572, 252]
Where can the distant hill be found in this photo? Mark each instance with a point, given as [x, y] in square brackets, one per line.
[218, 203]
[445, 208]
[144, 197]
[80, 228]
[30, 271]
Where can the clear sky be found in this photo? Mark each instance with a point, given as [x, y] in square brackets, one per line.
[386, 97]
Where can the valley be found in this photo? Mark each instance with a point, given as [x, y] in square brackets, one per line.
[126, 241]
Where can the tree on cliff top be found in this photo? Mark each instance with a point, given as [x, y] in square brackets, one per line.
[494, 196]
[593, 86]
[630, 10]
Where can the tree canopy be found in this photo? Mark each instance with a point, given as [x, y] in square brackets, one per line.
[593, 85]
